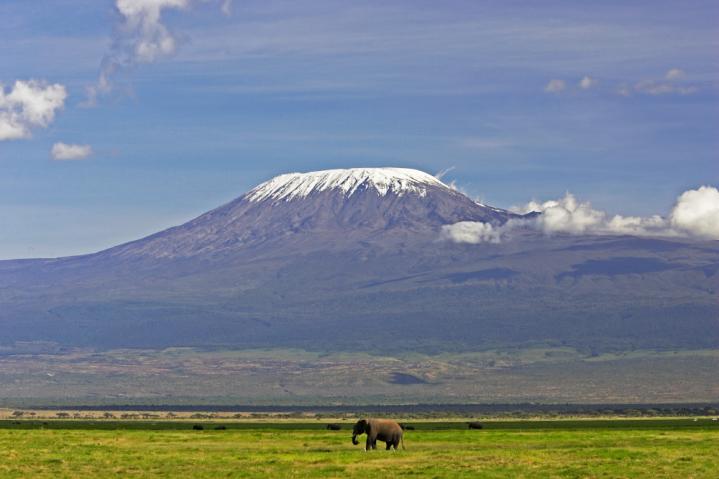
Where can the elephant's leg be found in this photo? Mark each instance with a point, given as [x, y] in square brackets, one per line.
[368, 444]
[389, 445]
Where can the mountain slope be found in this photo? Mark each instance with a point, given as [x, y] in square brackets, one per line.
[352, 259]
[343, 205]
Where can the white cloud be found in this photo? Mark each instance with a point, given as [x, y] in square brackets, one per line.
[440, 174]
[140, 38]
[226, 7]
[149, 37]
[637, 226]
[569, 215]
[672, 84]
[697, 212]
[29, 104]
[652, 87]
[587, 82]
[566, 215]
[555, 86]
[675, 74]
[63, 151]
[472, 232]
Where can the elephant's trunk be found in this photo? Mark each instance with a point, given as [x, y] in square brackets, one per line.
[354, 439]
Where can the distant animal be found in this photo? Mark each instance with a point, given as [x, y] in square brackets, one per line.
[334, 427]
[197, 427]
[220, 428]
[475, 425]
[406, 427]
[378, 429]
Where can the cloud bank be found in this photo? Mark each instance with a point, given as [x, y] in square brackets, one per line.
[695, 214]
[29, 104]
[569, 215]
[63, 151]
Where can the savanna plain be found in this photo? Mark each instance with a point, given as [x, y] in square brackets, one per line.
[607, 447]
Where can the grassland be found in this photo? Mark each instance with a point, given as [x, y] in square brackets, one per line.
[283, 376]
[657, 448]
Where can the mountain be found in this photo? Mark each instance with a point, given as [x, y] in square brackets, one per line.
[342, 206]
[354, 260]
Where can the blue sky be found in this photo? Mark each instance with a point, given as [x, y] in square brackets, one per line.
[273, 87]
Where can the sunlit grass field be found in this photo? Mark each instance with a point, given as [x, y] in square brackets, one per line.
[681, 448]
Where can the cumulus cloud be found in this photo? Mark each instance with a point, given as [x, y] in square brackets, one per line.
[29, 104]
[141, 37]
[472, 232]
[587, 82]
[569, 215]
[695, 214]
[63, 151]
[566, 214]
[555, 86]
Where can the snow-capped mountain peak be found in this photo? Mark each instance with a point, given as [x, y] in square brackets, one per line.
[291, 186]
[347, 205]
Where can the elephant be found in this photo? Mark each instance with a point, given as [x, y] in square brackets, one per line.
[334, 427]
[383, 429]
[475, 425]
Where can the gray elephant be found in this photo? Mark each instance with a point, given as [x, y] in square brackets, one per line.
[378, 429]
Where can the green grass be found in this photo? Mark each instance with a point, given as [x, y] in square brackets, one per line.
[537, 449]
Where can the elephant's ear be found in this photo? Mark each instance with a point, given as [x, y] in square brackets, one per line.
[361, 425]
[366, 427]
